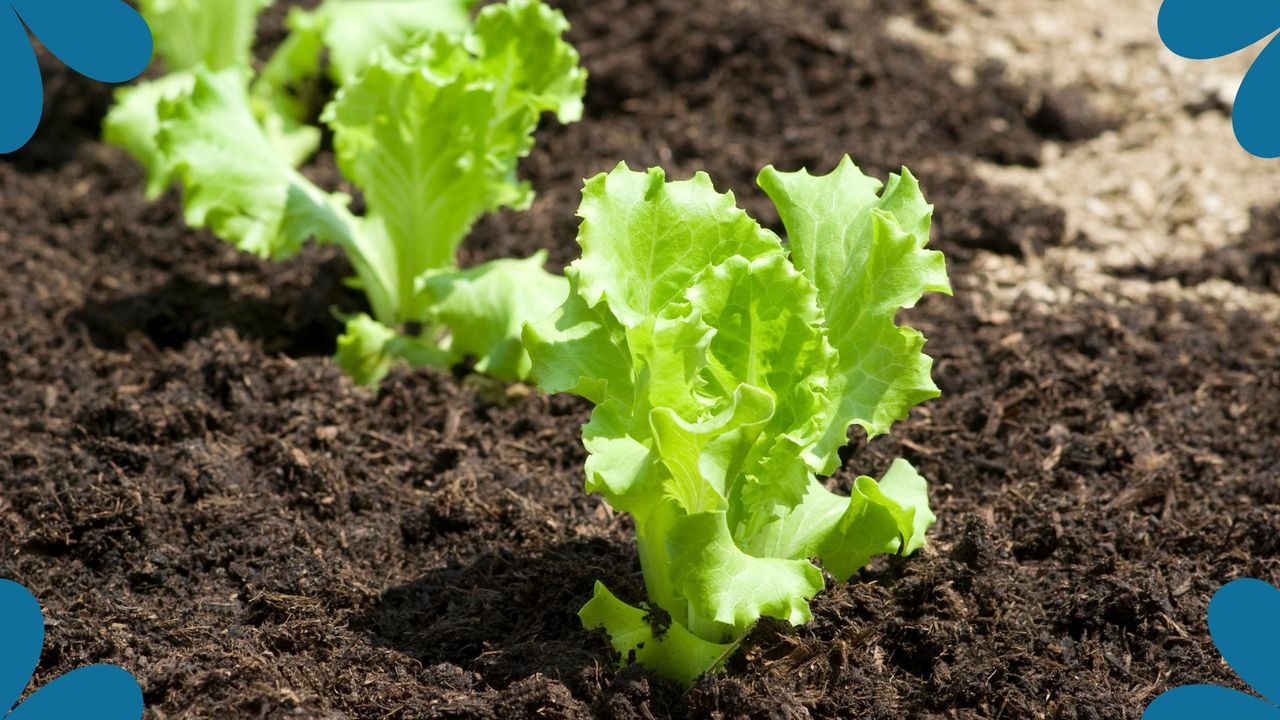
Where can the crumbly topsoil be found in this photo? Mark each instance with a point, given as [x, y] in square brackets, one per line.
[194, 492]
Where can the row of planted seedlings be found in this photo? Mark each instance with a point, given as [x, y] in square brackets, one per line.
[726, 366]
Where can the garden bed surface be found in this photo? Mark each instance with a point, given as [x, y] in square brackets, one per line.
[196, 493]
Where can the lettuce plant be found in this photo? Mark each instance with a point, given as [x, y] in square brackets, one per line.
[727, 369]
[430, 131]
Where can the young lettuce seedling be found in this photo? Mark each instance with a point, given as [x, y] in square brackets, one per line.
[726, 369]
[431, 135]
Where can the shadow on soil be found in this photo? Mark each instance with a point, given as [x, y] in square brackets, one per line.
[504, 615]
[296, 319]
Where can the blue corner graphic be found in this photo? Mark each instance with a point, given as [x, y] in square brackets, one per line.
[105, 40]
[1204, 29]
[105, 692]
[1244, 622]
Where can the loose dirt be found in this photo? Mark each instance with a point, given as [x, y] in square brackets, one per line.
[195, 492]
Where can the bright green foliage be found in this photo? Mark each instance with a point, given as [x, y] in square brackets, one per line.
[432, 137]
[134, 123]
[726, 369]
[504, 292]
[682, 655]
[236, 182]
[351, 30]
[368, 349]
[215, 34]
[191, 35]
[863, 253]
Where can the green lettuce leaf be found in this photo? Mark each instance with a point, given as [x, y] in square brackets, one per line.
[729, 590]
[521, 51]
[347, 33]
[133, 123]
[485, 308]
[864, 251]
[622, 467]
[363, 350]
[703, 458]
[644, 240]
[214, 34]
[768, 334]
[677, 653]
[235, 181]
[351, 30]
[211, 35]
[581, 350]
[889, 517]
[416, 147]
[289, 81]
[189, 34]
[368, 349]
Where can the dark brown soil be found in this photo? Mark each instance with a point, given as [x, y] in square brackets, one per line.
[1253, 261]
[194, 492]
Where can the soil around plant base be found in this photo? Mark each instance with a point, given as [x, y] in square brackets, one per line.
[194, 492]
